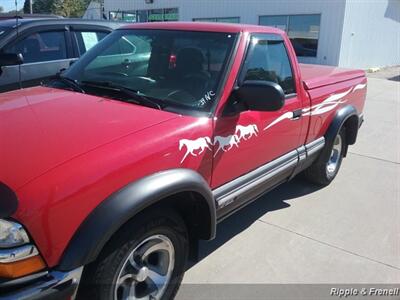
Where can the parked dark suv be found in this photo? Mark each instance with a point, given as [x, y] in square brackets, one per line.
[47, 45]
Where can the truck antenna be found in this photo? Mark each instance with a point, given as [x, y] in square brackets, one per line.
[17, 28]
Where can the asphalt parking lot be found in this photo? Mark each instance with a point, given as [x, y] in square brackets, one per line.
[346, 233]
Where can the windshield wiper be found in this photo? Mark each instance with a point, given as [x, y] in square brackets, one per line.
[70, 82]
[136, 96]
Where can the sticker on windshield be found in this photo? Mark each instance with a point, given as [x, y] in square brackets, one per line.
[207, 98]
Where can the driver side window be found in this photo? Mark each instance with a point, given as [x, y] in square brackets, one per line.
[41, 47]
[267, 60]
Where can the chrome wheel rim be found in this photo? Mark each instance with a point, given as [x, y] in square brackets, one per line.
[147, 270]
[334, 159]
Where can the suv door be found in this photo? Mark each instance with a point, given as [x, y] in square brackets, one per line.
[247, 140]
[46, 51]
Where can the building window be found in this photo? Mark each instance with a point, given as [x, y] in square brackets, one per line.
[147, 15]
[303, 31]
[219, 20]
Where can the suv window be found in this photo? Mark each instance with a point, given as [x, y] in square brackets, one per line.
[41, 46]
[87, 39]
[129, 45]
[268, 60]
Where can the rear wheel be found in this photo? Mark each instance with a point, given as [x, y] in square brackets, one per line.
[326, 167]
[145, 261]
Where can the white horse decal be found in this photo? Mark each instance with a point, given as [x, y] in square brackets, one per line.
[195, 145]
[226, 141]
[246, 132]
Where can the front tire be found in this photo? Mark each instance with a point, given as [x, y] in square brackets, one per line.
[145, 260]
[326, 167]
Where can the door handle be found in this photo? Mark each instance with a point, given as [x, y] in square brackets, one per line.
[297, 114]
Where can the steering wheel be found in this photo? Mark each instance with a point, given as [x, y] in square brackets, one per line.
[119, 74]
[179, 95]
[197, 81]
[146, 79]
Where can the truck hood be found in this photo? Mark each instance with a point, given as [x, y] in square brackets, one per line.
[42, 127]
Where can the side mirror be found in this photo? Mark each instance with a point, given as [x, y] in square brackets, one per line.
[11, 59]
[261, 95]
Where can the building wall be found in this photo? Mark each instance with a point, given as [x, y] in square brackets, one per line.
[93, 12]
[371, 34]
[332, 15]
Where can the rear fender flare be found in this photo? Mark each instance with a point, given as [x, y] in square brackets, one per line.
[344, 114]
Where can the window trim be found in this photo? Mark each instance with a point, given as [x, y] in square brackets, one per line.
[276, 37]
[74, 38]
[287, 26]
[48, 28]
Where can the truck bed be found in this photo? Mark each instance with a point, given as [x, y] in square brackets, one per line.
[315, 76]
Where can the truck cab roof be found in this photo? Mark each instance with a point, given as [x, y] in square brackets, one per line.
[204, 26]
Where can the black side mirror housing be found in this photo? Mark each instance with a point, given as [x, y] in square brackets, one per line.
[261, 95]
[11, 59]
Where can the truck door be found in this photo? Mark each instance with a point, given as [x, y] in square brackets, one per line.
[248, 140]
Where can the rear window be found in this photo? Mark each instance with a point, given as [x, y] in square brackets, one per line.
[87, 39]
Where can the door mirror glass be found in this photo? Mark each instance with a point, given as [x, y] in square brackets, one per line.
[11, 59]
[261, 95]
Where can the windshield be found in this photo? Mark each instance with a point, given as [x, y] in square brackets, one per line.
[178, 68]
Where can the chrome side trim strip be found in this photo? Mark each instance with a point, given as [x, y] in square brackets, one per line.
[302, 152]
[315, 146]
[229, 191]
[16, 254]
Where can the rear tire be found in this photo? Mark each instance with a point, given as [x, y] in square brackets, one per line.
[147, 257]
[326, 167]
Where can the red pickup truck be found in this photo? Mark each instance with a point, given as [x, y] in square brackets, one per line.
[111, 172]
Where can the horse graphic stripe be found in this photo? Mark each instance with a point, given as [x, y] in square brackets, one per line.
[223, 143]
[244, 133]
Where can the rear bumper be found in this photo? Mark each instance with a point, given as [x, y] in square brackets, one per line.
[46, 285]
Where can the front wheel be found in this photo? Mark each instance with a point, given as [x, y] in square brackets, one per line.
[146, 260]
[326, 167]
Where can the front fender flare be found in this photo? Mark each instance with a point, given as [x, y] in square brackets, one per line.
[98, 228]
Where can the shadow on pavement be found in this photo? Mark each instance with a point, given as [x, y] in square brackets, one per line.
[235, 224]
[395, 78]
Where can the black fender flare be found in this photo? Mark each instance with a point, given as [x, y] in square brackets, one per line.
[105, 220]
[8, 202]
[341, 117]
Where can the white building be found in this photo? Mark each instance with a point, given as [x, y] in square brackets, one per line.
[347, 33]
